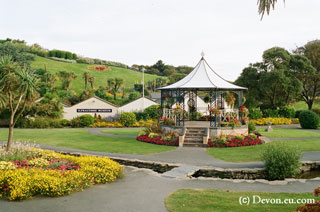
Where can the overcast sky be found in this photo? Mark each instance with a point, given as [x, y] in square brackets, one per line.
[176, 31]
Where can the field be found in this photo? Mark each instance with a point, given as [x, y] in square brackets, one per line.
[208, 200]
[303, 106]
[77, 85]
[80, 139]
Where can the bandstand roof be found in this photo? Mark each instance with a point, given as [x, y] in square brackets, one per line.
[203, 77]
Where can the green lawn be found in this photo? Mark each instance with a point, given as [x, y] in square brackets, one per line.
[303, 106]
[210, 200]
[129, 76]
[288, 133]
[80, 139]
[252, 153]
[133, 131]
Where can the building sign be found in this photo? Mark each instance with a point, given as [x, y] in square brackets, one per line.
[94, 110]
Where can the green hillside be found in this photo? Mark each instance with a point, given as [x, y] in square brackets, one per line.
[127, 75]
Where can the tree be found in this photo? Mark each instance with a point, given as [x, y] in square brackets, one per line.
[86, 77]
[113, 85]
[308, 70]
[19, 87]
[91, 81]
[265, 6]
[67, 78]
[271, 82]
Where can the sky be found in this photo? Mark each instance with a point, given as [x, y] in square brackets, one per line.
[230, 33]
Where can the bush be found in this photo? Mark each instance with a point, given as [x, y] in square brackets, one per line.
[152, 112]
[270, 113]
[281, 160]
[65, 123]
[127, 119]
[82, 121]
[287, 112]
[297, 114]
[251, 126]
[255, 113]
[309, 119]
[141, 116]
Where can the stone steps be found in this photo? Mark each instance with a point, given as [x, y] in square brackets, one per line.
[194, 137]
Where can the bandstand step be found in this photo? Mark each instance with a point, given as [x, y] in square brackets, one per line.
[194, 145]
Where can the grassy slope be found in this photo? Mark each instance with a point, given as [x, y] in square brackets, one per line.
[80, 139]
[127, 75]
[213, 200]
[303, 106]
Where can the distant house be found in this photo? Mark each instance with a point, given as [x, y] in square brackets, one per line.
[91, 106]
[98, 106]
[137, 105]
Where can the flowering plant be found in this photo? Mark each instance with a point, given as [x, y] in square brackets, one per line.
[159, 140]
[244, 110]
[234, 141]
[215, 110]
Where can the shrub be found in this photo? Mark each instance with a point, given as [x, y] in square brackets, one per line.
[297, 114]
[65, 123]
[141, 116]
[309, 119]
[287, 112]
[270, 113]
[281, 160]
[82, 121]
[251, 126]
[152, 112]
[127, 119]
[255, 113]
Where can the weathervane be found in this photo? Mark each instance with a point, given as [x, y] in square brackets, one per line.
[202, 54]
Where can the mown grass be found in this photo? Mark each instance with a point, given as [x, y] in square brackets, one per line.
[80, 139]
[101, 77]
[132, 132]
[288, 133]
[303, 106]
[209, 200]
[252, 153]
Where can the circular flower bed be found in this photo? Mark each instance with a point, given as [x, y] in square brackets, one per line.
[236, 141]
[159, 140]
[41, 172]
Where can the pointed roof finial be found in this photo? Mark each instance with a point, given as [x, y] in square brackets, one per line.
[202, 54]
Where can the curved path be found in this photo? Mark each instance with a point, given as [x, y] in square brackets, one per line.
[140, 191]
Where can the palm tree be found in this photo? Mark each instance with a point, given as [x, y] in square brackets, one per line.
[114, 85]
[91, 81]
[67, 78]
[265, 6]
[86, 77]
[19, 89]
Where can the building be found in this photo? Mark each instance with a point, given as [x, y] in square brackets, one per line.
[137, 105]
[98, 106]
[91, 106]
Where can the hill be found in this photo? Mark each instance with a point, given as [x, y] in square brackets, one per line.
[129, 76]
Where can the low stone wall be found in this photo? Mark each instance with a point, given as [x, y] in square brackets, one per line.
[243, 130]
[309, 166]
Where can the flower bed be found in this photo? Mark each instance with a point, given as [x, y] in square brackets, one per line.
[158, 140]
[51, 174]
[275, 121]
[236, 141]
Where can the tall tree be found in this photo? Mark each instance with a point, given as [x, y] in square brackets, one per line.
[19, 86]
[86, 77]
[309, 76]
[114, 85]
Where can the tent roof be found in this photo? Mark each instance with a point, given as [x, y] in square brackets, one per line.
[203, 77]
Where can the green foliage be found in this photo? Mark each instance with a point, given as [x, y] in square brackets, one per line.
[152, 112]
[82, 121]
[134, 96]
[62, 54]
[251, 126]
[281, 160]
[316, 110]
[287, 112]
[270, 113]
[141, 116]
[271, 82]
[309, 119]
[17, 52]
[127, 119]
[114, 85]
[255, 113]
[42, 122]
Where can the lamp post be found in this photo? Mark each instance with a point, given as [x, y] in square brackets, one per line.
[142, 88]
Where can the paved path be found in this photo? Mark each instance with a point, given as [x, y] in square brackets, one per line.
[139, 191]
